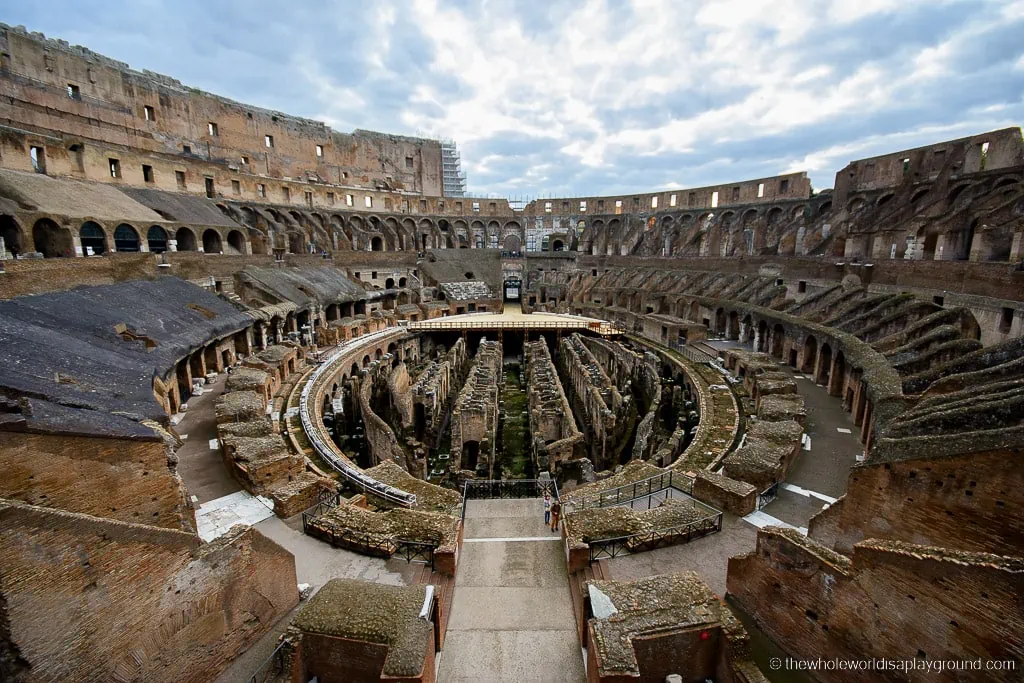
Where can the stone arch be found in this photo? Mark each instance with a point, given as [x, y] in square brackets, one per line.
[810, 354]
[954, 193]
[50, 240]
[377, 243]
[885, 198]
[778, 340]
[126, 238]
[186, 239]
[825, 208]
[824, 365]
[236, 241]
[156, 239]
[211, 241]
[91, 235]
[855, 204]
[10, 230]
[838, 377]
[512, 243]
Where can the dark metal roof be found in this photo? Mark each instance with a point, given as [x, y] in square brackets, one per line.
[64, 347]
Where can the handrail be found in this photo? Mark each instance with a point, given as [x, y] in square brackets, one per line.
[507, 488]
[626, 492]
[325, 447]
[481, 323]
[649, 540]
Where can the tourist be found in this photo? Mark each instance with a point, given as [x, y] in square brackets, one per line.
[556, 512]
[547, 508]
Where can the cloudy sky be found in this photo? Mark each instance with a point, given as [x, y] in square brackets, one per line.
[588, 97]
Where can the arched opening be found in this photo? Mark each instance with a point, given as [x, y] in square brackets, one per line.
[557, 245]
[296, 243]
[211, 241]
[884, 199]
[93, 239]
[236, 241]
[366, 361]
[377, 244]
[470, 455]
[762, 336]
[733, 331]
[355, 370]
[186, 239]
[11, 233]
[419, 420]
[836, 379]
[389, 283]
[810, 354]
[512, 243]
[824, 366]
[402, 282]
[156, 239]
[778, 338]
[50, 240]
[125, 238]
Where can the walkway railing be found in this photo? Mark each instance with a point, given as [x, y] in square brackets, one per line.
[321, 442]
[629, 492]
[361, 541]
[482, 323]
[767, 496]
[650, 540]
[272, 667]
[480, 489]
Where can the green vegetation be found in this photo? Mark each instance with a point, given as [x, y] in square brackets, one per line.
[516, 462]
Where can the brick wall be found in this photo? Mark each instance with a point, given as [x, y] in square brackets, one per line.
[121, 479]
[898, 602]
[124, 602]
[972, 502]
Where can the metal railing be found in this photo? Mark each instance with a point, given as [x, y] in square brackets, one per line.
[364, 542]
[629, 492]
[767, 496]
[322, 443]
[649, 540]
[481, 489]
[272, 667]
[482, 322]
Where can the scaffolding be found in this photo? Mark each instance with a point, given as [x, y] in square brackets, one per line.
[453, 179]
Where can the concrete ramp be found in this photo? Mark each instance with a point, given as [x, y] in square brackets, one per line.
[512, 616]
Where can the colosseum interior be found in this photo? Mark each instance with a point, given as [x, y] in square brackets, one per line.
[275, 408]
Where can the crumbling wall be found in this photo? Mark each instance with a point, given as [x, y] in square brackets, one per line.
[381, 439]
[554, 435]
[110, 601]
[130, 480]
[596, 399]
[475, 415]
[892, 600]
[972, 501]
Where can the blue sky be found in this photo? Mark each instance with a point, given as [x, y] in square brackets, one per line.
[592, 97]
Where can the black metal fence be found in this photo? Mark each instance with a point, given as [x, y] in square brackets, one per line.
[630, 492]
[650, 540]
[767, 496]
[272, 667]
[475, 489]
[481, 489]
[362, 542]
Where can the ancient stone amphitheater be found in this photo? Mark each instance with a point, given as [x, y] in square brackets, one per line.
[274, 407]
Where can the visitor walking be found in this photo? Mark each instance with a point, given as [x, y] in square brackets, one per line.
[547, 508]
[556, 513]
